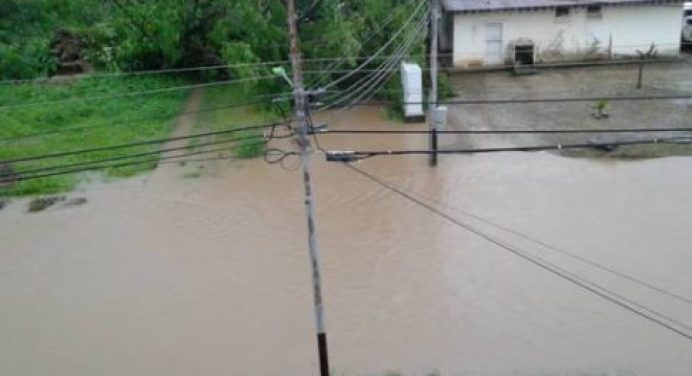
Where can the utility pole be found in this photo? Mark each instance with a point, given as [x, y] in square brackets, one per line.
[300, 97]
[432, 98]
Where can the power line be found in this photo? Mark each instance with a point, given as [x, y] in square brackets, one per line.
[372, 83]
[287, 62]
[572, 64]
[98, 165]
[372, 35]
[381, 49]
[133, 144]
[613, 98]
[181, 70]
[569, 277]
[505, 131]
[107, 166]
[348, 156]
[143, 119]
[352, 72]
[133, 93]
[559, 250]
[13, 174]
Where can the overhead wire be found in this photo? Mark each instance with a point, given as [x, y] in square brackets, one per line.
[316, 59]
[141, 119]
[611, 270]
[572, 255]
[125, 157]
[132, 93]
[62, 169]
[380, 27]
[179, 70]
[610, 98]
[372, 82]
[96, 167]
[569, 64]
[353, 155]
[506, 131]
[662, 321]
[133, 144]
[381, 49]
[371, 89]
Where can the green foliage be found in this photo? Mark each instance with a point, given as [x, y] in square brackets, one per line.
[601, 105]
[114, 121]
[127, 35]
[234, 117]
[152, 34]
[28, 26]
[249, 148]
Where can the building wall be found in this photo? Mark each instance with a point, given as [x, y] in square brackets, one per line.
[619, 32]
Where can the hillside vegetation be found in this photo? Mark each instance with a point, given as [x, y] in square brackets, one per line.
[96, 43]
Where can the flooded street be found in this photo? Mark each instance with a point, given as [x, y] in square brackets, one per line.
[165, 275]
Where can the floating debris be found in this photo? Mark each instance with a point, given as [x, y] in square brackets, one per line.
[76, 201]
[43, 203]
[7, 175]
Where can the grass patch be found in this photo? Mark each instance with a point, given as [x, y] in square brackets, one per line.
[219, 112]
[111, 121]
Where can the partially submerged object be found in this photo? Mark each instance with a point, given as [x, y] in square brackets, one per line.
[412, 84]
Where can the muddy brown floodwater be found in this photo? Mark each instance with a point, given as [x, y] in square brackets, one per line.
[164, 275]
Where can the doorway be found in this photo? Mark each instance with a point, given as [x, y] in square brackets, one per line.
[493, 43]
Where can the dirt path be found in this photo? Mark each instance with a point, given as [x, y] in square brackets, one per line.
[184, 126]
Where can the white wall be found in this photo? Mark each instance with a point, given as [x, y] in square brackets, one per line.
[576, 37]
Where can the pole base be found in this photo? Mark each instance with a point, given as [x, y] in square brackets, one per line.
[322, 349]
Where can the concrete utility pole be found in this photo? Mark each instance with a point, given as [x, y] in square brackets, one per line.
[432, 98]
[300, 97]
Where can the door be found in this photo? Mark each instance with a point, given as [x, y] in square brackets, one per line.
[493, 44]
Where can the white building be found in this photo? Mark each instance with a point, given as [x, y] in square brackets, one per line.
[497, 32]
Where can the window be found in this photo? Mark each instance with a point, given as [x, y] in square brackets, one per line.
[523, 54]
[594, 11]
[561, 12]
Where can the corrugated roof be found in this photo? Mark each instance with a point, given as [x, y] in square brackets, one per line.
[496, 5]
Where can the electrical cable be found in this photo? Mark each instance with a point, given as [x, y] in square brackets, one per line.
[380, 27]
[554, 248]
[571, 277]
[505, 131]
[322, 59]
[371, 89]
[365, 82]
[128, 156]
[132, 94]
[133, 144]
[15, 179]
[381, 49]
[537, 100]
[342, 156]
[138, 120]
